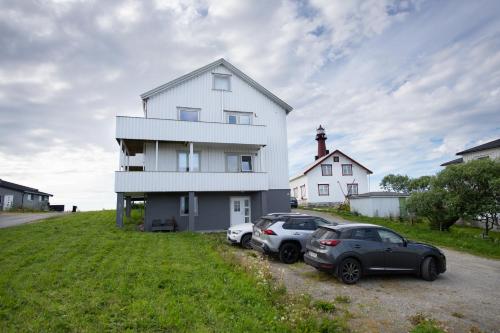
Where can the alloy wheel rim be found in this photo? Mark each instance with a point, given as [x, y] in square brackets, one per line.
[350, 271]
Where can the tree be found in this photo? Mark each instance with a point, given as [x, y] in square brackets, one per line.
[396, 183]
[420, 184]
[434, 205]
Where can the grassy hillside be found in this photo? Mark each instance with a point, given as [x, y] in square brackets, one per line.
[80, 273]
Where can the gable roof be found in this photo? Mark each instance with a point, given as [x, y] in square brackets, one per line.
[209, 67]
[21, 188]
[484, 146]
[456, 161]
[320, 160]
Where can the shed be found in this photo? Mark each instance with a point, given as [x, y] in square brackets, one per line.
[379, 204]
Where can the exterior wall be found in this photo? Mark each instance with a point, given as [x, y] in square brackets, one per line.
[213, 208]
[336, 182]
[297, 183]
[373, 206]
[20, 200]
[491, 153]
[198, 93]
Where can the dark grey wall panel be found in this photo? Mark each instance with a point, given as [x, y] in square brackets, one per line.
[278, 201]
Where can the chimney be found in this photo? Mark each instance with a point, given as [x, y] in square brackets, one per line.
[321, 138]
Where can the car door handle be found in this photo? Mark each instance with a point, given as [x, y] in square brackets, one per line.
[357, 246]
[388, 249]
[297, 234]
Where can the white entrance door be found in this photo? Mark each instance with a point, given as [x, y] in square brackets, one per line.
[7, 201]
[240, 210]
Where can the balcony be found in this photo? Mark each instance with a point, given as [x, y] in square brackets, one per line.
[164, 181]
[132, 128]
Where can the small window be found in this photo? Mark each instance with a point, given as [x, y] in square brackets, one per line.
[365, 234]
[352, 189]
[189, 114]
[300, 224]
[232, 163]
[246, 163]
[236, 206]
[302, 191]
[183, 161]
[185, 206]
[30, 197]
[335, 158]
[232, 119]
[222, 82]
[346, 169]
[326, 169]
[389, 237]
[323, 189]
[242, 118]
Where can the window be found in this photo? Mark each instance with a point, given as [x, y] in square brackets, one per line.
[183, 161]
[30, 196]
[346, 169]
[300, 224]
[323, 189]
[296, 192]
[185, 206]
[222, 82]
[232, 163]
[320, 222]
[326, 169]
[302, 191]
[40, 198]
[390, 237]
[365, 234]
[335, 158]
[236, 206]
[246, 163]
[352, 189]
[242, 118]
[189, 114]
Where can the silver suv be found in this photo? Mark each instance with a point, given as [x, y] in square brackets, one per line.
[285, 235]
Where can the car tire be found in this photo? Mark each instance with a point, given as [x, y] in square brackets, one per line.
[289, 253]
[349, 271]
[245, 241]
[429, 269]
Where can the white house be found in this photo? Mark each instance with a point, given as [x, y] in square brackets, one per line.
[487, 150]
[331, 177]
[210, 151]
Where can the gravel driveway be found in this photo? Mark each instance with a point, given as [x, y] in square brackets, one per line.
[466, 296]
[13, 219]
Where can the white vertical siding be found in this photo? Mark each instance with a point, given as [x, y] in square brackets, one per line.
[198, 93]
[491, 153]
[376, 206]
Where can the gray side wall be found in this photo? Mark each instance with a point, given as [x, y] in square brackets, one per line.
[213, 207]
[21, 200]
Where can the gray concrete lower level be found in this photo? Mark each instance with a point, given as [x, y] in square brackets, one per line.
[216, 210]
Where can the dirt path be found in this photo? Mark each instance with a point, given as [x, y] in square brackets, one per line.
[13, 219]
[466, 296]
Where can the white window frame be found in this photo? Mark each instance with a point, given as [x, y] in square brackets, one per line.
[228, 76]
[240, 162]
[187, 161]
[323, 193]
[251, 162]
[353, 185]
[346, 174]
[181, 206]
[181, 109]
[323, 170]
[238, 114]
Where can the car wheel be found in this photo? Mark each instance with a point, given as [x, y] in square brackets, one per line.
[429, 269]
[350, 271]
[245, 241]
[289, 253]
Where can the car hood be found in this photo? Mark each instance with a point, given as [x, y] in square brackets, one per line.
[423, 245]
[242, 226]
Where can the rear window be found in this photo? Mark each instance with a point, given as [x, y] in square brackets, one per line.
[263, 223]
[324, 233]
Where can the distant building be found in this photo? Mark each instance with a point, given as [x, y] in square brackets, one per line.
[487, 150]
[331, 178]
[18, 196]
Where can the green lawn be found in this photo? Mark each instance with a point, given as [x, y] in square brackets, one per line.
[460, 238]
[80, 273]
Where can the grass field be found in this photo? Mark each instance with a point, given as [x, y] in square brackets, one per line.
[462, 238]
[80, 273]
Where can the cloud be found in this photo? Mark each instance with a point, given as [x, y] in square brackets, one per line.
[400, 85]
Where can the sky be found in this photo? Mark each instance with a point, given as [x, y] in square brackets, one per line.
[400, 86]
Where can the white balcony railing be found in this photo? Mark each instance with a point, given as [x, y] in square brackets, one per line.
[164, 181]
[188, 131]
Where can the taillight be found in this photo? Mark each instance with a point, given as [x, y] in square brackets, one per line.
[268, 232]
[330, 242]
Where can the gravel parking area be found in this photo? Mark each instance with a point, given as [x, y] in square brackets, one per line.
[12, 219]
[465, 297]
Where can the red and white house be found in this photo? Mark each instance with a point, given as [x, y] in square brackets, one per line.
[331, 177]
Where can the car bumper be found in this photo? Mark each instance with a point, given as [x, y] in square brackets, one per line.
[259, 246]
[232, 238]
[318, 262]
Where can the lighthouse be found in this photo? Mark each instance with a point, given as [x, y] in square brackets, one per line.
[321, 138]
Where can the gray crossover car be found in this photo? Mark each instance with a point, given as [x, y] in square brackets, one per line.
[285, 235]
[353, 250]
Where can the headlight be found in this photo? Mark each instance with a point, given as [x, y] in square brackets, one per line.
[235, 232]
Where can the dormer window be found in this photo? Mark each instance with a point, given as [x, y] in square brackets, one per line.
[222, 82]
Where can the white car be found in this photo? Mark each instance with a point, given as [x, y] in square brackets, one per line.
[241, 234]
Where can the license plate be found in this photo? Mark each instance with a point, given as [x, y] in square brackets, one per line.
[313, 254]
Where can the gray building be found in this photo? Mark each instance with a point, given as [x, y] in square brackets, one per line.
[210, 151]
[14, 196]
